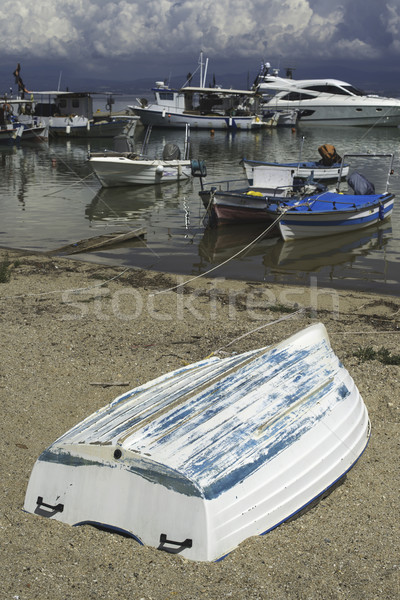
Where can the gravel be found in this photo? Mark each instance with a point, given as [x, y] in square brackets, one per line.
[70, 329]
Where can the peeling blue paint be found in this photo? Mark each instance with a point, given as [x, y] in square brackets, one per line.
[210, 425]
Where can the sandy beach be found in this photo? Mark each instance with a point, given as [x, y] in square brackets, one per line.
[70, 329]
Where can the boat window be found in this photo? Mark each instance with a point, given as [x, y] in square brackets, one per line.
[75, 103]
[328, 89]
[62, 103]
[166, 96]
[378, 110]
[354, 90]
[292, 96]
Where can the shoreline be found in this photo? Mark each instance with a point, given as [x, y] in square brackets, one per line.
[68, 325]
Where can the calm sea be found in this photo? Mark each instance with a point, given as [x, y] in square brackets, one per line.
[49, 197]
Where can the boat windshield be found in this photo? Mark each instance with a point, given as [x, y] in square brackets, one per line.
[354, 90]
[294, 96]
[345, 90]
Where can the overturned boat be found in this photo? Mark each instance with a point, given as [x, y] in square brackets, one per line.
[201, 458]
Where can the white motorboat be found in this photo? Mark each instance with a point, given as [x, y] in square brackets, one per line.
[202, 107]
[119, 168]
[198, 460]
[326, 101]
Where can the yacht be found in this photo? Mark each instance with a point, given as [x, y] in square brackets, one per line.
[325, 101]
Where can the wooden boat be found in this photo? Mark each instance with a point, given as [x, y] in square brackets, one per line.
[129, 168]
[201, 458]
[303, 213]
[301, 169]
[328, 168]
[331, 213]
[251, 204]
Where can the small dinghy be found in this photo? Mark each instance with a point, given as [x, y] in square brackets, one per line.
[201, 458]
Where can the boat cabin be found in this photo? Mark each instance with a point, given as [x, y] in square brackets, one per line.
[63, 104]
[204, 101]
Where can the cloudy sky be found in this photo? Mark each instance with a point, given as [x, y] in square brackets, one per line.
[126, 40]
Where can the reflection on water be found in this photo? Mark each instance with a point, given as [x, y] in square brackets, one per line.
[49, 197]
[295, 259]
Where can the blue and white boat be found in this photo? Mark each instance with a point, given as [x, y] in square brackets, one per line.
[201, 458]
[301, 211]
[331, 213]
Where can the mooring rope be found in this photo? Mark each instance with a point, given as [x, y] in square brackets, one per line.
[240, 337]
[262, 234]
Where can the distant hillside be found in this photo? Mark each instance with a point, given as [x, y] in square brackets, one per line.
[47, 77]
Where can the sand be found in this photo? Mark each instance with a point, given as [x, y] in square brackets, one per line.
[67, 326]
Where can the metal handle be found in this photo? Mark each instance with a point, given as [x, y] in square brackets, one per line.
[56, 508]
[181, 545]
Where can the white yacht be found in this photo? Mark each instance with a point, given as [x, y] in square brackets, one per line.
[326, 101]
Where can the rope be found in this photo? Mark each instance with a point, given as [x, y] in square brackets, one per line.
[262, 234]
[297, 312]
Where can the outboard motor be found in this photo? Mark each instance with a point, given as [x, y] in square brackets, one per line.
[329, 155]
[360, 184]
[198, 169]
[171, 152]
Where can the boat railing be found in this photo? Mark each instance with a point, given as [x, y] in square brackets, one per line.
[299, 189]
[367, 155]
[224, 184]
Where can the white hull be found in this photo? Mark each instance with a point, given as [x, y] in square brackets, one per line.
[200, 459]
[168, 118]
[120, 171]
[328, 102]
[355, 111]
[307, 225]
[81, 127]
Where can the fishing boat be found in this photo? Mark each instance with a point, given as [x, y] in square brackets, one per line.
[202, 107]
[120, 168]
[325, 169]
[16, 114]
[197, 460]
[226, 203]
[71, 114]
[298, 212]
[10, 135]
[68, 114]
[325, 101]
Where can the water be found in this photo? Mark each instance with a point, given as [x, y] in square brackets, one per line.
[49, 197]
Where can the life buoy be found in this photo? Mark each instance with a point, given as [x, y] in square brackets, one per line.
[8, 108]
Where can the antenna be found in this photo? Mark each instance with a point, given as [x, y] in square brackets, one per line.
[59, 82]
